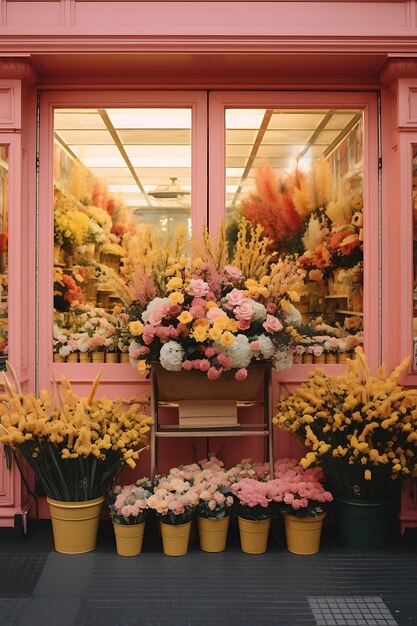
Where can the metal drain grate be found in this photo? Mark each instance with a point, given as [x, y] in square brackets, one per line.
[350, 611]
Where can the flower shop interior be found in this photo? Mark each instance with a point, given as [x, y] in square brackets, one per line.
[285, 130]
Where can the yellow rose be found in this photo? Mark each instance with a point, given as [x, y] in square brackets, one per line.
[231, 325]
[251, 284]
[227, 339]
[215, 333]
[142, 366]
[211, 305]
[221, 323]
[202, 322]
[200, 334]
[176, 297]
[136, 328]
[174, 283]
[185, 317]
[183, 262]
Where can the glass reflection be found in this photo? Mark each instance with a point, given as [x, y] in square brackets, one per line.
[4, 234]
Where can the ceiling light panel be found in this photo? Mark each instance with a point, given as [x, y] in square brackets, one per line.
[93, 151]
[280, 136]
[150, 118]
[159, 152]
[85, 137]
[295, 121]
[155, 136]
[240, 136]
[78, 120]
[244, 118]
[340, 120]
[103, 162]
[161, 162]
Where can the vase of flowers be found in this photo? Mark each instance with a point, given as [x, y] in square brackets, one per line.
[175, 500]
[214, 507]
[214, 315]
[253, 506]
[299, 497]
[76, 448]
[127, 509]
[361, 429]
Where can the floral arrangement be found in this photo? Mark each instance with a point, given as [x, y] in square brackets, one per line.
[211, 313]
[70, 224]
[361, 428]
[128, 504]
[76, 445]
[67, 290]
[214, 489]
[174, 499]
[298, 491]
[253, 498]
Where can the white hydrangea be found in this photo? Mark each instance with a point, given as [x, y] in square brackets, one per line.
[282, 360]
[240, 351]
[259, 311]
[267, 348]
[151, 308]
[293, 316]
[171, 356]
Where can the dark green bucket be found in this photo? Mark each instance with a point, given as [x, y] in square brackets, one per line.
[363, 525]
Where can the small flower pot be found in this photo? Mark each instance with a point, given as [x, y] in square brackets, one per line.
[129, 538]
[319, 358]
[331, 357]
[85, 357]
[213, 533]
[72, 357]
[112, 357]
[303, 533]
[175, 538]
[98, 357]
[341, 357]
[254, 535]
[307, 358]
[58, 358]
[124, 357]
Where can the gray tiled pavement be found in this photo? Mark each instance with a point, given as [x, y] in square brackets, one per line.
[39, 587]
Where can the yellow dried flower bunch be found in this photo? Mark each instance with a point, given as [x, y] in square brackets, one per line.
[77, 445]
[361, 428]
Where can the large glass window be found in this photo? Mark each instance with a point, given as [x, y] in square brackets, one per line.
[119, 175]
[4, 230]
[414, 205]
[299, 174]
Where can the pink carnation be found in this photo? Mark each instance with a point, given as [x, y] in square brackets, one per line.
[187, 365]
[204, 365]
[241, 374]
[174, 310]
[271, 308]
[225, 361]
[210, 352]
[213, 373]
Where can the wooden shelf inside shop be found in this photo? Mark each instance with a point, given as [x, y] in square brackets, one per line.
[343, 312]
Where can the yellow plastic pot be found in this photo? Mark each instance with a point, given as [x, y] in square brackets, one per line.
[254, 535]
[303, 533]
[129, 538]
[175, 538]
[213, 533]
[75, 524]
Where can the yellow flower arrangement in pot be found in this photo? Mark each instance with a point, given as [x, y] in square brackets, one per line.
[362, 429]
[76, 447]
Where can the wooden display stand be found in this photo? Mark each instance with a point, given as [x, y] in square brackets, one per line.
[209, 408]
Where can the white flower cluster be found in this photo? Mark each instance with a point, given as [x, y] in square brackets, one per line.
[240, 351]
[171, 356]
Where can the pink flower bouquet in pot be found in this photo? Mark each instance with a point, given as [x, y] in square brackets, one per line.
[128, 506]
[253, 507]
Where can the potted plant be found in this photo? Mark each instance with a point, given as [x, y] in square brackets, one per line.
[253, 507]
[76, 446]
[174, 500]
[127, 508]
[214, 507]
[361, 429]
[299, 495]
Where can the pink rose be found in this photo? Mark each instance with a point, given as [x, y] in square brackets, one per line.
[213, 313]
[155, 318]
[243, 312]
[134, 354]
[243, 324]
[142, 351]
[272, 324]
[234, 298]
[241, 374]
[317, 350]
[187, 365]
[197, 287]
[225, 361]
[204, 365]
[255, 346]
[174, 310]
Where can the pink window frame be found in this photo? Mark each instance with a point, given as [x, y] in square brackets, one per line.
[219, 101]
[49, 101]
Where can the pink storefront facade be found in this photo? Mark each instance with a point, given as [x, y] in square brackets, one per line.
[207, 56]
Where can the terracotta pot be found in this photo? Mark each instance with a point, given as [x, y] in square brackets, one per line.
[75, 525]
[129, 538]
[213, 533]
[303, 533]
[254, 535]
[175, 538]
